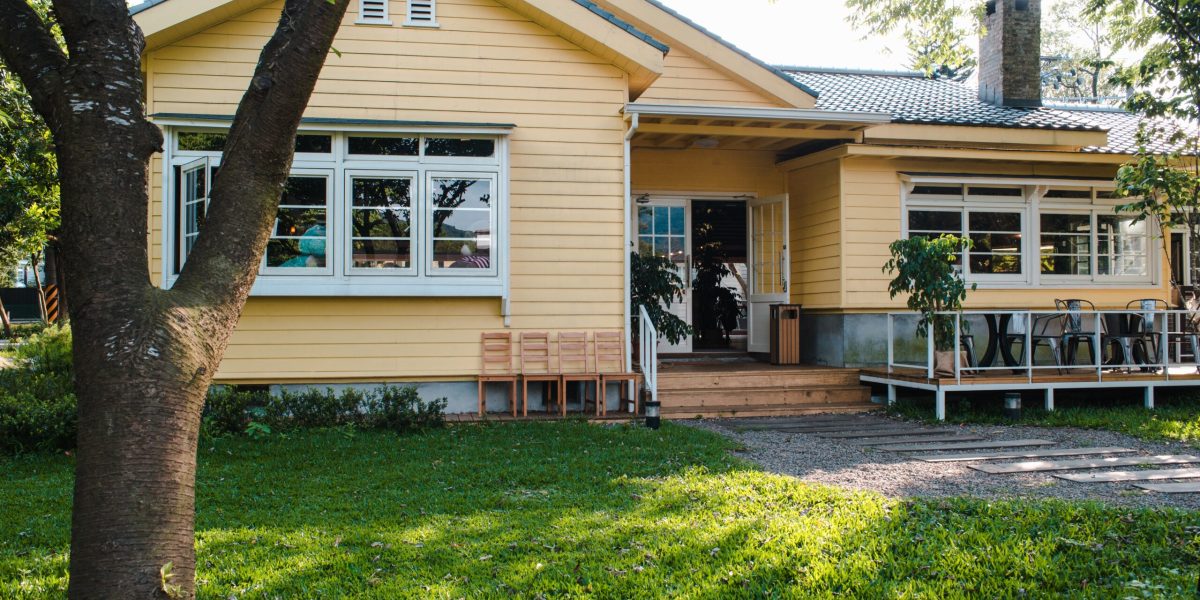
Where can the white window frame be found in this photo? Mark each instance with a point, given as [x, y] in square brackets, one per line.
[343, 280]
[331, 218]
[431, 22]
[204, 164]
[387, 14]
[427, 223]
[414, 225]
[1031, 205]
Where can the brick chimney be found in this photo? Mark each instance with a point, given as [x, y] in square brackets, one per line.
[1010, 66]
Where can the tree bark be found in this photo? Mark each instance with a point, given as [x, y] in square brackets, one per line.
[144, 357]
[5, 321]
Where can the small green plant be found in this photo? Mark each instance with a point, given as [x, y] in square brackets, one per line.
[924, 269]
[258, 431]
[656, 284]
[48, 350]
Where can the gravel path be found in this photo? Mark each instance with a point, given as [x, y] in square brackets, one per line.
[844, 464]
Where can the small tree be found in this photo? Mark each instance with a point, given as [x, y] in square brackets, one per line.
[924, 270]
[656, 284]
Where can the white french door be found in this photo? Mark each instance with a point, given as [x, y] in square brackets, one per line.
[664, 228]
[769, 272]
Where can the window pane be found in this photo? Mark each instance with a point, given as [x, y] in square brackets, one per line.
[996, 242]
[459, 147]
[988, 221]
[995, 263]
[1072, 194]
[677, 220]
[382, 254]
[645, 245]
[304, 191]
[315, 144]
[645, 220]
[1066, 244]
[380, 221]
[935, 220]
[383, 146]
[298, 239]
[1007, 192]
[662, 220]
[462, 215]
[1122, 246]
[937, 190]
[192, 141]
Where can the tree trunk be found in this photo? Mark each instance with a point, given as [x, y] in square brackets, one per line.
[41, 289]
[54, 269]
[5, 321]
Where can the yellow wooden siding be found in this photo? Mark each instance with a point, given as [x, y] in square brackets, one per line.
[732, 172]
[485, 63]
[815, 231]
[689, 80]
[872, 220]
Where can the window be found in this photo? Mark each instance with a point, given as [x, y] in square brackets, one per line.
[1079, 238]
[422, 13]
[378, 213]
[373, 12]
[661, 232]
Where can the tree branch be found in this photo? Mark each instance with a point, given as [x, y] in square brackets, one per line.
[258, 153]
[1172, 14]
[29, 50]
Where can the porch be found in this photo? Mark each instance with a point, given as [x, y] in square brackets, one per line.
[1072, 349]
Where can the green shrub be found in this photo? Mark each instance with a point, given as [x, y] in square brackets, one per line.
[227, 409]
[47, 351]
[37, 397]
[401, 409]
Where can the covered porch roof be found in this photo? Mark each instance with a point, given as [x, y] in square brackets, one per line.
[741, 128]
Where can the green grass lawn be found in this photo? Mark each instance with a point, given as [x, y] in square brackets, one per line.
[1176, 417]
[568, 510]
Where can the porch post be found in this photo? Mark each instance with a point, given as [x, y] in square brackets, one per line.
[939, 410]
[891, 395]
[1049, 399]
[1149, 397]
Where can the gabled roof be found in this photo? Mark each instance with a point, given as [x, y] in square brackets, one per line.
[582, 22]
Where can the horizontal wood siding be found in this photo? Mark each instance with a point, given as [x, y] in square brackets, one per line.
[689, 80]
[815, 230]
[872, 220]
[710, 171]
[485, 63]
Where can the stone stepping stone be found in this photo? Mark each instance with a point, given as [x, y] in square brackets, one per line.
[1170, 488]
[970, 456]
[838, 428]
[1112, 476]
[803, 425]
[914, 439]
[865, 433]
[969, 446]
[1087, 463]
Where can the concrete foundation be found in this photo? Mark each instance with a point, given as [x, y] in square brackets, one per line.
[463, 396]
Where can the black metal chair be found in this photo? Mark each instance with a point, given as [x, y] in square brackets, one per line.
[1187, 327]
[1142, 331]
[1075, 331]
[1045, 329]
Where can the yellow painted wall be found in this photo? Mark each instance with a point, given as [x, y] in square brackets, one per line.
[485, 63]
[711, 171]
[689, 80]
[871, 220]
[815, 215]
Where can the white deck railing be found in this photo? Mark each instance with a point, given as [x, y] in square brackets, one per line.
[1167, 332]
[648, 352]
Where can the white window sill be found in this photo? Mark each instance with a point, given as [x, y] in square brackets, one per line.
[300, 286]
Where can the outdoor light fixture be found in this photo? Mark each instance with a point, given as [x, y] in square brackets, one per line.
[1012, 406]
[652, 419]
[643, 199]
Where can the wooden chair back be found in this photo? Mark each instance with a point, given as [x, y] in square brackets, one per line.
[535, 353]
[609, 351]
[497, 353]
[573, 353]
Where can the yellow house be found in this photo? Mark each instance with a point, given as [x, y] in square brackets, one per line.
[488, 165]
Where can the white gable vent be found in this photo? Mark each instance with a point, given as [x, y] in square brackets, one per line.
[422, 13]
[373, 12]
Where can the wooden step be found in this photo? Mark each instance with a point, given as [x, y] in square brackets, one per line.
[1170, 488]
[1113, 476]
[886, 441]
[1036, 466]
[762, 411]
[972, 456]
[765, 396]
[757, 379]
[867, 433]
[968, 446]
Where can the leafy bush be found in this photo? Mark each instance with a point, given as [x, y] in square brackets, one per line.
[37, 397]
[396, 408]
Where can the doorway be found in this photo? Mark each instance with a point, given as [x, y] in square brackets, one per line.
[731, 254]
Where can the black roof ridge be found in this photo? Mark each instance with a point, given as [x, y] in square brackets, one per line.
[621, 24]
[851, 71]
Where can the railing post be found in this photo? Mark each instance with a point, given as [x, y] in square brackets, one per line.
[1097, 347]
[891, 336]
[929, 347]
[1164, 334]
[956, 347]
[1028, 348]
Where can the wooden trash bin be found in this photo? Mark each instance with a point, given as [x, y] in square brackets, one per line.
[785, 334]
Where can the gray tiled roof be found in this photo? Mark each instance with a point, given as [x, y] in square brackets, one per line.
[911, 97]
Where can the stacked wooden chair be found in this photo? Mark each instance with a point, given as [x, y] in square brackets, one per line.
[497, 368]
[596, 365]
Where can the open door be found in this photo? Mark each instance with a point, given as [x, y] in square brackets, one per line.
[768, 266]
[663, 227]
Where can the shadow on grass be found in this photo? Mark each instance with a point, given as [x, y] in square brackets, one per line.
[569, 510]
